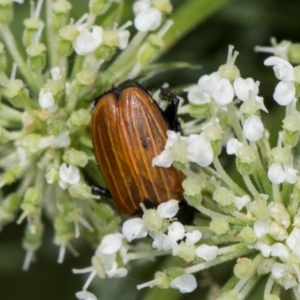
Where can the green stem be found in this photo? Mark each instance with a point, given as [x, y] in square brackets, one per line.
[250, 186]
[235, 122]
[34, 82]
[276, 193]
[212, 214]
[286, 194]
[269, 286]
[249, 285]
[230, 183]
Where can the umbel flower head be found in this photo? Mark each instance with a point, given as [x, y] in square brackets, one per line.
[45, 144]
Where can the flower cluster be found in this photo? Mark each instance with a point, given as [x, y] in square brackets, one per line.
[45, 144]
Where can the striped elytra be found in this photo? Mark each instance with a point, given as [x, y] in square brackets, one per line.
[128, 131]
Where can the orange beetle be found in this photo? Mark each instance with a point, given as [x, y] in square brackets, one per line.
[128, 131]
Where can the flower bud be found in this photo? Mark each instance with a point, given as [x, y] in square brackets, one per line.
[56, 88]
[162, 279]
[78, 119]
[248, 235]
[61, 14]
[291, 128]
[4, 135]
[229, 71]
[174, 272]
[187, 252]
[10, 175]
[280, 155]
[278, 232]
[243, 268]
[16, 93]
[30, 143]
[33, 235]
[99, 7]
[55, 127]
[219, 226]
[67, 35]
[6, 12]
[11, 203]
[153, 222]
[84, 79]
[258, 208]
[98, 267]
[75, 157]
[31, 27]
[246, 160]
[250, 107]
[36, 57]
[163, 5]
[265, 266]
[225, 199]
[294, 53]
[31, 204]
[64, 230]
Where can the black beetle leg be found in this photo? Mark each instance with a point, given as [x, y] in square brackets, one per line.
[99, 190]
[170, 112]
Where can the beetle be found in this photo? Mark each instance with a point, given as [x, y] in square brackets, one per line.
[128, 130]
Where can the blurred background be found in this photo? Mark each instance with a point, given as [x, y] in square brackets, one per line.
[242, 23]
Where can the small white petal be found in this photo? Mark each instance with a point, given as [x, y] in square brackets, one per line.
[243, 86]
[62, 140]
[141, 5]
[45, 142]
[55, 73]
[197, 96]
[253, 128]
[110, 244]
[282, 68]
[69, 174]
[207, 252]
[199, 150]
[284, 92]
[276, 173]
[134, 229]
[193, 237]
[117, 273]
[148, 19]
[87, 42]
[223, 92]
[293, 238]
[279, 250]
[279, 270]
[168, 209]
[264, 249]
[185, 283]
[241, 202]
[176, 231]
[291, 175]
[46, 99]
[164, 159]
[85, 295]
[124, 37]
[233, 145]
[261, 228]
[207, 83]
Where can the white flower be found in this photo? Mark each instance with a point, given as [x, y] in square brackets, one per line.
[197, 96]
[110, 244]
[134, 229]
[233, 145]
[219, 88]
[264, 249]
[168, 209]
[279, 50]
[148, 19]
[62, 140]
[241, 202]
[85, 295]
[193, 237]
[185, 283]
[279, 270]
[261, 228]
[176, 231]
[87, 42]
[279, 250]
[277, 174]
[199, 150]
[55, 73]
[207, 252]
[284, 71]
[175, 148]
[68, 175]
[253, 128]
[46, 99]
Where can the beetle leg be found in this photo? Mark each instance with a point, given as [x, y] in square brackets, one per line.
[170, 112]
[99, 190]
